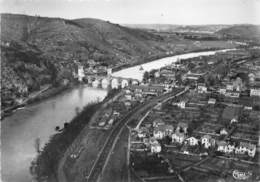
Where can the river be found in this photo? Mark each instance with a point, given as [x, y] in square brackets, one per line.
[19, 131]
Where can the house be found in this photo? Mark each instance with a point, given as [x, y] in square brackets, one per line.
[225, 147]
[178, 137]
[192, 141]
[180, 104]
[182, 127]
[255, 92]
[234, 120]
[233, 94]
[148, 89]
[238, 84]
[127, 104]
[207, 141]
[162, 131]
[212, 101]
[246, 147]
[143, 132]
[128, 97]
[202, 88]
[158, 122]
[156, 148]
[222, 91]
[223, 131]
[221, 146]
[96, 83]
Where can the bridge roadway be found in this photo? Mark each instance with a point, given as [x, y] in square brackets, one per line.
[99, 164]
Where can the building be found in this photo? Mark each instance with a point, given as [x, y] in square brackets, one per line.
[223, 131]
[143, 132]
[202, 88]
[221, 146]
[192, 141]
[245, 147]
[96, 83]
[207, 141]
[148, 89]
[104, 83]
[157, 122]
[81, 73]
[225, 147]
[162, 131]
[182, 127]
[212, 101]
[255, 92]
[178, 137]
[109, 71]
[156, 148]
[233, 94]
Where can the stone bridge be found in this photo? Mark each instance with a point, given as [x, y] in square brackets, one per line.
[106, 81]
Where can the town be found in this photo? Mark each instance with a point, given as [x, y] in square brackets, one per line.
[207, 128]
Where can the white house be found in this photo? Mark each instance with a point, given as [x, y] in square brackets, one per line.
[192, 141]
[212, 101]
[255, 92]
[234, 120]
[221, 146]
[81, 73]
[207, 141]
[223, 131]
[156, 148]
[246, 147]
[222, 91]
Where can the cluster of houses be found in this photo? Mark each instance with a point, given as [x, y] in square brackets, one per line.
[179, 135]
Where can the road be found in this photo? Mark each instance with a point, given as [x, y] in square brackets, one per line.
[101, 160]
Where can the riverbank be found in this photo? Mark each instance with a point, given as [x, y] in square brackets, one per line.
[46, 94]
[45, 166]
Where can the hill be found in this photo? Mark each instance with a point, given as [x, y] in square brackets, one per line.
[241, 32]
[39, 50]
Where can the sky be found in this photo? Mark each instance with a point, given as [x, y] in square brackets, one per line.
[142, 11]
